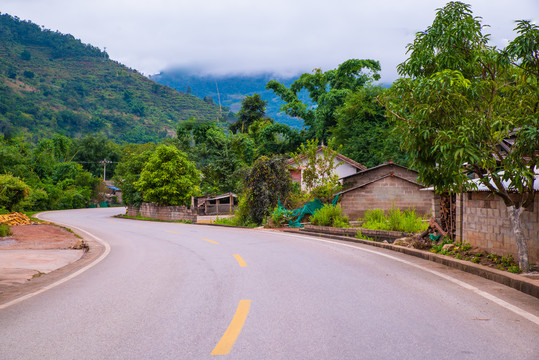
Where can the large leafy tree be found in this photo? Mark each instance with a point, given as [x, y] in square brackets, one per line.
[363, 131]
[13, 190]
[278, 139]
[253, 109]
[459, 99]
[217, 153]
[327, 92]
[133, 159]
[169, 177]
[265, 182]
[90, 151]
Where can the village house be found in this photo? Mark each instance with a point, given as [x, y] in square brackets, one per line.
[345, 168]
[224, 204]
[382, 187]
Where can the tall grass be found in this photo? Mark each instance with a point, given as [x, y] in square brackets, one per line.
[394, 219]
[4, 230]
[330, 215]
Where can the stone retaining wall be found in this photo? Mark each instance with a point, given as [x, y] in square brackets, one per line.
[169, 213]
[378, 235]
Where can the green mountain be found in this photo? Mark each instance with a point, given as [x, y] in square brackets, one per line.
[229, 90]
[53, 83]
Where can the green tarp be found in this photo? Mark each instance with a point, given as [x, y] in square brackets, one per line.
[307, 209]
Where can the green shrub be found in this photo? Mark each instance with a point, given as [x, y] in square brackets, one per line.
[394, 220]
[438, 248]
[234, 221]
[280, 215]
[330, 215]
[13, 190]
[241, 216]
[359, 235]
[4, 230]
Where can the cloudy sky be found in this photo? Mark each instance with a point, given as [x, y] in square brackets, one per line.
[248, 36]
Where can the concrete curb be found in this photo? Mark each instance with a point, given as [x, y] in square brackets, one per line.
[527, 286]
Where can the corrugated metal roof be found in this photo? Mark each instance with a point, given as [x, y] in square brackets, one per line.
[482, 187]
[505, 183]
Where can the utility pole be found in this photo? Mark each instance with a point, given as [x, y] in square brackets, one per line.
[105, 162]
[219, 98]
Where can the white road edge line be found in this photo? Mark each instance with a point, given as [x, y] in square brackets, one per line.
[467, 286]
[67, 278]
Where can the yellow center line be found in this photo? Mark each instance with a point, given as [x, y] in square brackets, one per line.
[142, 227]
[211, 241]
[231, 334]
[172, 232]
[240, 260]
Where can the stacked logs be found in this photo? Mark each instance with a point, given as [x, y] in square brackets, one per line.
[15, 218]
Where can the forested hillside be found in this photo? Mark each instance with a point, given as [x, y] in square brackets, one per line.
[52, 83]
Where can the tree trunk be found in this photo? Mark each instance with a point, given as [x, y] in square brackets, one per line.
[522, 246]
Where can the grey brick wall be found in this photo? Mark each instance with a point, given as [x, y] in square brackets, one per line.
[170, 213]
[484, 223]
[385, 193]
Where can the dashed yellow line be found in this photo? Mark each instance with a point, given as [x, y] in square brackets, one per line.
[211, 241]
[240, 260]
[231, 334]
[172, 232]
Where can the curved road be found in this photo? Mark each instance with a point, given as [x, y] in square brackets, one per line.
[178, 291]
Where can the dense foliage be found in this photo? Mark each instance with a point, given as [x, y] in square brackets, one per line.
[43, 176]
[267, 181]
[134, 158]
[12, 191]
[327, 92]
[330, 215]
[168, 178]
[52, 83]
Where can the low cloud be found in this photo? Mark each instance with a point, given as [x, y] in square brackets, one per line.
[243, 36]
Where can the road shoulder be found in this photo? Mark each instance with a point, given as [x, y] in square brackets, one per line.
[66, 263]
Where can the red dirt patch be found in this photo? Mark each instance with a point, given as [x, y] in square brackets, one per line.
[38, 237]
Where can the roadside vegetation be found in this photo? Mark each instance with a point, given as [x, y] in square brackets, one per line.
[464, 251]
[4, 230]
[330, 215]
[394, 219]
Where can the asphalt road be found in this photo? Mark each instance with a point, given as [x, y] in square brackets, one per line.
[178, 291]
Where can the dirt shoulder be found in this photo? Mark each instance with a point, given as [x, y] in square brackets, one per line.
[39, 237]
[38, 255]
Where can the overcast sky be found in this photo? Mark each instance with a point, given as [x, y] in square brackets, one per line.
[245, 36]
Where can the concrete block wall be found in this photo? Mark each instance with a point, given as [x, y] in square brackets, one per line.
[170, 213]
[484, 223]
[385, 193]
